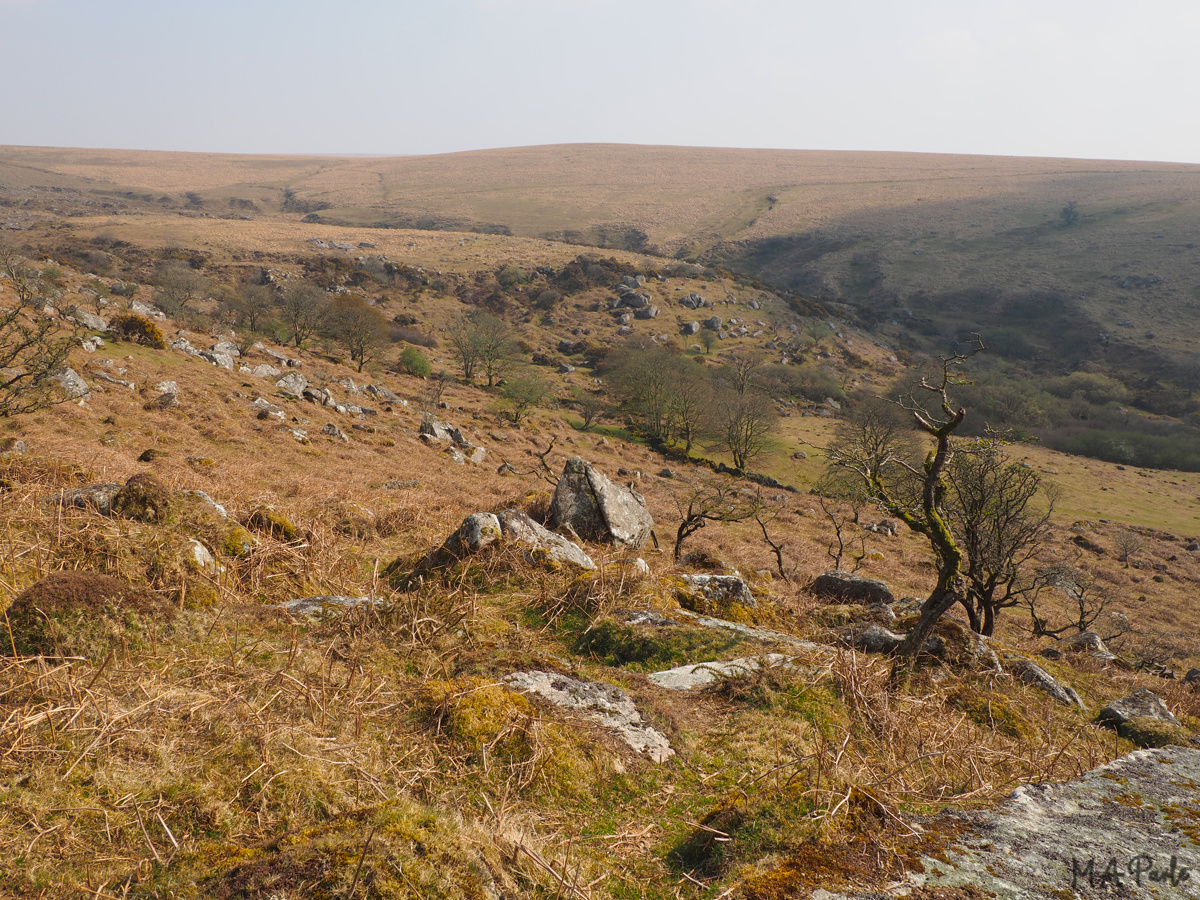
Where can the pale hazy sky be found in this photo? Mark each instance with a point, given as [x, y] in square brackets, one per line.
[1081, 78]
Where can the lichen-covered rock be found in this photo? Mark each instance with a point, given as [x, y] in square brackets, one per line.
[605, 704]
[698, 675]
[1031, 673]
[1141, 704]
[479, 531]
[846, 587]
[1087, 642]
[870, 638]
[72, 384]
[714, 594]
[1059, 840]
[96, 497]
[596, 509]
[293, 384]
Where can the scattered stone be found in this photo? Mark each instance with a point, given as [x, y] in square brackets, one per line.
[594, 508]
[11, 446]
[870, 638]
[847, 587]
[1141, 704]
[88, 320]
[223, 360]
[328, 604]
[226, 348]
[293, 385]
[698, 675]
[207, 501]
[1031, 673]
[150, 455]
[201, 559]
[479, 531]
[605, 704]
[72, 384]
[267, 410]
[167, 387]
[336, 433]
[96, 497]
[265, 371]
[747, 631]
[1088, 642]
[108, 379]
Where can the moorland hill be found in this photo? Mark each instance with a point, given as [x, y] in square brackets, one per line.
[1065, 266]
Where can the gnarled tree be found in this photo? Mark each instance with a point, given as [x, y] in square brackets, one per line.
[875, 448]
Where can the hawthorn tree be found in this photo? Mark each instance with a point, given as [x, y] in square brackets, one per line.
[34, 345]
[876, 448]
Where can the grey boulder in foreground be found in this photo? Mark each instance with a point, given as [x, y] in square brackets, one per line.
[1126, 829]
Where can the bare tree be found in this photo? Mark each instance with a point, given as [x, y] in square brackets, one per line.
[34, 345]
[483, 344]
[177, 286]
[911, 490]
[1001, 511]
[523, 393]
[358, 326]
[713, 500]
[741, 425]
[304, 309]
[1128, 544]
[1082, 600]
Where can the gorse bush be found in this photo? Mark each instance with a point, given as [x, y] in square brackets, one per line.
[137, 330]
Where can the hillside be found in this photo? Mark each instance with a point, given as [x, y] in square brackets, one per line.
[183, 732]
[919, 250]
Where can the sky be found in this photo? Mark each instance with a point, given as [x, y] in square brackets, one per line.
[1107, 79]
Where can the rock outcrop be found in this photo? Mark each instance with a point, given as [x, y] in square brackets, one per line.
[480, 531]
[596, 509]
[604, 704]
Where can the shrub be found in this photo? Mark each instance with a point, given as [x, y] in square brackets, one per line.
[413, 362]
[272, 522]
[144, 498]
[137, 330]
[78, 613]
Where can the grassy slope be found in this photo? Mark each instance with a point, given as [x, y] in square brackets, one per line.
[276, 754]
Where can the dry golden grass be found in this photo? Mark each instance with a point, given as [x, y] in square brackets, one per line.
[232, 751]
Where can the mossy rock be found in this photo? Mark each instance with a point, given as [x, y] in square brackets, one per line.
[994, 711]
[836, 615]
[411, 850]
[1145, 732]
[270, 521]
[653, 647]
[81, 614]
[476, 713]
[144, 498]
[237, 542]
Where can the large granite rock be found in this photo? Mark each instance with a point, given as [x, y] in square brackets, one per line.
[479, 531]
[1141, 704]
[1031, 673]
[714, 593]
[596, 509]
[846, 587]
[1126, 829]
